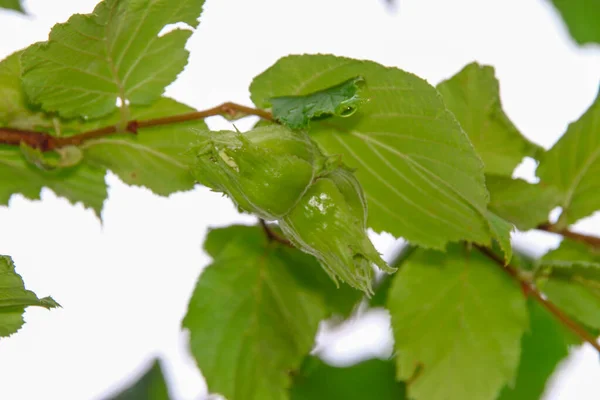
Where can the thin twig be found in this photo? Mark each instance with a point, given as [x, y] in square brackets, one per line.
[46, 142]
[274, 236]
[529, 289]
[580, 237]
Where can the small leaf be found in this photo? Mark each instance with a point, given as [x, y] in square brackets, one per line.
[571, 280]
[501, 230]
[251, 322]
[12, 5]
[14, 110]
[572, 253]
[82, 183]
[14, 298]
[420, 174]
[150, 386]
[341, 100]
[458, 318]
[545, 345]
[581, 17]
[116, 52]
[572, 165]
[524, 204]
[372, 379]
[473, 95]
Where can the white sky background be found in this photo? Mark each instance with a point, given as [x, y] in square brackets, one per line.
[124, 285]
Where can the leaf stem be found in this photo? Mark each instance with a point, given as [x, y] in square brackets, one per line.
[274, 236]
[46, 142]
[530, 290]
[580, 237]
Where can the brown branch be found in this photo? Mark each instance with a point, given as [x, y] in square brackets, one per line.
[530, 290]
[274, 236]
[580, 237]
[47, 142]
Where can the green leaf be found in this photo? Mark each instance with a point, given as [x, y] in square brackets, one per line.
[14, 110]
[473, 95]
[114, 53]
[12, 5]
[14, 298]
[340, 300]
[372, 379]
[150, 386]
[382, 287]
[341, 100]
[459, 319]
[82, 183]
[157, 157]
[572, 253]
[251, 322]
[543, 347]
[581, 17]
[571, 280]
[573, 166]
[501, 229]
[524, 204]
[421, 176]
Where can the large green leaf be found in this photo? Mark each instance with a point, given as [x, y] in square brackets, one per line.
[571, 280]
[524, 204]
[12, 5]
[340, 300]
[297, 111]
[114, 53]
[157, 157]
[372, 379]
[543, 347]
[458, 318]
[421, 175]
[14, 298]
[473, 95]
[150, 386]
[251, 322]
[581, 17]
[82, 183]
[573, 166]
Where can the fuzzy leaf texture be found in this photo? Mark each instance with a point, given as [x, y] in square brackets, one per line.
[544, 346]
[571, 280]
[14, 298]
[420, 174]
[458, 318]
[371, 379]
[14, 5]
[297, 111]
[114, 53]
[251, 321]
[524, 204]
[573, 166]
[150, 386]
[473, 96]
[581, 18]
